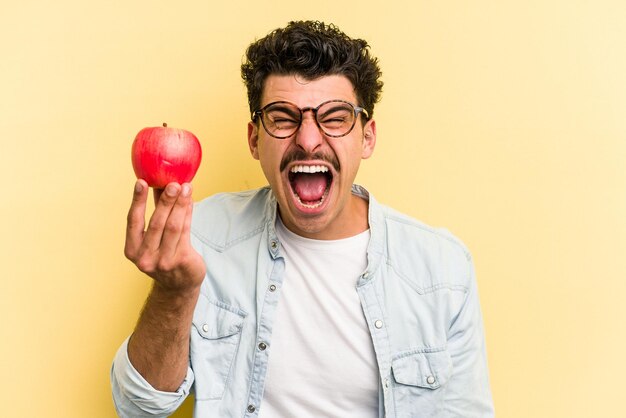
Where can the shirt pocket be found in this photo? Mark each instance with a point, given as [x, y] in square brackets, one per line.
[215, 337]
[419, 379]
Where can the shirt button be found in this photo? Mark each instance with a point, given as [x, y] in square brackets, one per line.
[378, 324]
[251, 408]
[205, 328]
[262, 346]
[430, 380]
[273, 244]
[386, 383]
[272, 287]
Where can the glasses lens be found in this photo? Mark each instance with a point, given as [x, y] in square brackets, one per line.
[281, 119]
[336, 118]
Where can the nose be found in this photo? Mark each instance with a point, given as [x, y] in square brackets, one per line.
[309, 137]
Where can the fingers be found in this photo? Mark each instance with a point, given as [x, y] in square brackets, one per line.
[136, 219]
[154, 250]
[163, 208]
[175, 224]
[187, 225]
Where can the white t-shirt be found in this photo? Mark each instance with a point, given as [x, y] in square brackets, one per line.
[322, 361]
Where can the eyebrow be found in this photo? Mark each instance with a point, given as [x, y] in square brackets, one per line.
[284, 107]
[338, 106]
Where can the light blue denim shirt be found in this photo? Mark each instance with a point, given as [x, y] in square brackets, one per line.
[418, 294]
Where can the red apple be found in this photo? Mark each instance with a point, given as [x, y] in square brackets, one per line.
[162, 155]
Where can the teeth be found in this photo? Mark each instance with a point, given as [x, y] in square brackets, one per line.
[309, 169]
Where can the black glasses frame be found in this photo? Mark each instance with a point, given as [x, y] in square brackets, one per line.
[356, 109]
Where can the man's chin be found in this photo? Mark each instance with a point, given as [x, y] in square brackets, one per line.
[307, 228]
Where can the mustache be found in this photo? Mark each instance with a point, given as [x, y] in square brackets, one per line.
[300, 155]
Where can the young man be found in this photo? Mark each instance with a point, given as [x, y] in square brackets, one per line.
[306, 298]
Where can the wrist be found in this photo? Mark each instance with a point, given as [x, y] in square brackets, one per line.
[175, 296]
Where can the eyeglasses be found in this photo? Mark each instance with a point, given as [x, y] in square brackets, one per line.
[335, 118]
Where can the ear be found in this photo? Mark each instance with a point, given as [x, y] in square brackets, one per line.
[253, 139]
[369, 139]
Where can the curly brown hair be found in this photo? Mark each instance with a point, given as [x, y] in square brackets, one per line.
[312, 49]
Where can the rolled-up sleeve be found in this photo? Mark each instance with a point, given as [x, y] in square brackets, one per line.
[134, 397]
[468, 394]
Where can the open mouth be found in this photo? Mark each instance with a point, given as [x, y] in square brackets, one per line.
[310, 184]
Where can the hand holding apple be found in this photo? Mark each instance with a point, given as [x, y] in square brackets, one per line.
[162, 155]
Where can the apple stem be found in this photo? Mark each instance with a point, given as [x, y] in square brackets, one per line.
[164, 125]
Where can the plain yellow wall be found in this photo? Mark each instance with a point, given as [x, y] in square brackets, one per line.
[504, 121]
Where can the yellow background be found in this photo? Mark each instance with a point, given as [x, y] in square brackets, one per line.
[504, 121]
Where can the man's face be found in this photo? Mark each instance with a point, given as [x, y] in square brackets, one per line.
[311, 174]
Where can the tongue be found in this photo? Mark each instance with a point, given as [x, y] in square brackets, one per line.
[310, 187]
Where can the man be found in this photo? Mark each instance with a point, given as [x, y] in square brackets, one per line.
[306, 298]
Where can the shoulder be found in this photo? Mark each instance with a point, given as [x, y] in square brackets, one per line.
[402, 225]
[224, 219]
[431, 257]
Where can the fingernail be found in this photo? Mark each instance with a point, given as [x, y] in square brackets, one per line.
[186, 190]
[170, 190]
[138, 187]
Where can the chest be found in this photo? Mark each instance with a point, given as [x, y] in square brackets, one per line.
[322, 353]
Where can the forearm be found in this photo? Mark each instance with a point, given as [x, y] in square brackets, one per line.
[159, 346]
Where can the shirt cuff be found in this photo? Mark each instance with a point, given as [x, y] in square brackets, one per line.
[132, 393]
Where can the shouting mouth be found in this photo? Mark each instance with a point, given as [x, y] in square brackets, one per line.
[310, 184]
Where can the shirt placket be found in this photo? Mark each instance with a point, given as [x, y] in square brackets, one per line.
[376, 323]
[268, 301]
